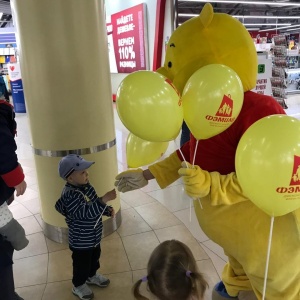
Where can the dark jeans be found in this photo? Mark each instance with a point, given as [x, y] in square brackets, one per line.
[7, 286]
[85, 264]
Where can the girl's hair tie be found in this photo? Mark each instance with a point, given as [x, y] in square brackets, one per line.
[144, 279]
[188, 273]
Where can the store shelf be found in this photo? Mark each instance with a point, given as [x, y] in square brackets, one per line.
[281, 62]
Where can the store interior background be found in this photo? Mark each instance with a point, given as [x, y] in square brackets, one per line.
[150, 215]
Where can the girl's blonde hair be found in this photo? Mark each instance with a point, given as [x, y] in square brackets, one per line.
[172, 274]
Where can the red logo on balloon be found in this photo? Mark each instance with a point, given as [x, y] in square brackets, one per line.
[295, 180]
[226, 106]
[12, 68]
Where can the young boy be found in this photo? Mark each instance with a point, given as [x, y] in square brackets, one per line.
[83, 210]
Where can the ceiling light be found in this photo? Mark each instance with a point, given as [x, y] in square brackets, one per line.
[272, 3]
[188, 15]
[298, 28]
[264, 17]
[277, 28]
[266, 24]
[247, 17]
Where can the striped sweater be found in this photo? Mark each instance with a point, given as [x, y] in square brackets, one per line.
[82, 208]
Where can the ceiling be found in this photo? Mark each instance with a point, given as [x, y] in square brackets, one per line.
[273, 8]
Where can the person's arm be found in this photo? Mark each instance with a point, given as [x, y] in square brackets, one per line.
[79, 208]
[223, 189]
[165, 172]
[10, 170]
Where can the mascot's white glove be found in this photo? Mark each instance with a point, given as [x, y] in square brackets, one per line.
[196, 181]
[130, 180]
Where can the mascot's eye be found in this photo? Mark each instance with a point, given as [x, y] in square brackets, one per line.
[172, 45]
[169, 64]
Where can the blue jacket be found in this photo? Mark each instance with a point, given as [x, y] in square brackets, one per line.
[82, 208]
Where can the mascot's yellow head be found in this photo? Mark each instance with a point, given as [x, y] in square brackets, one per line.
[210, 38]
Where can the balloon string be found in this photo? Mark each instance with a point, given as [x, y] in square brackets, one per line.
[188, 168]
[268, 258]
[195, 152]
[106, 206]
[120, 181]
[181, 153]
[100, 215]
[191, 210]
[193, 165]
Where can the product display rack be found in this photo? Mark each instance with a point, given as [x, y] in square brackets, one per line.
[280, 63]
[292, 72]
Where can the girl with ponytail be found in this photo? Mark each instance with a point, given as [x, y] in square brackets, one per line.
[172, 274]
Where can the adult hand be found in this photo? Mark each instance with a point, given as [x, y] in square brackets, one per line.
[20, 188]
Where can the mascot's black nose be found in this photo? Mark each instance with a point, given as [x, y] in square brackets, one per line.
[169, 64]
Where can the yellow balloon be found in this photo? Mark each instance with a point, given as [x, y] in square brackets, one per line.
[267, 164]
[149, 106]
[140, 152]
[212, 99]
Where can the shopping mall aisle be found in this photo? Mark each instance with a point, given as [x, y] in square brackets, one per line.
[150, 216]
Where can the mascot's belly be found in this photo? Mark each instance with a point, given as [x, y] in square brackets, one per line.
[242, 230]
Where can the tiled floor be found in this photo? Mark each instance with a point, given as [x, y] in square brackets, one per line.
[149, 216]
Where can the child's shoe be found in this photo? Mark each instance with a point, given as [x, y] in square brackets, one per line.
[83, 292]
[99, 280]
[220, 293]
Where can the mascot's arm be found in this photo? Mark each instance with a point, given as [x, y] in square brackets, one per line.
[223, 189]
[166, 171]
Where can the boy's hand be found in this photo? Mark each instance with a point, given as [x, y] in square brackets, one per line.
[112, 212]
[111, 195]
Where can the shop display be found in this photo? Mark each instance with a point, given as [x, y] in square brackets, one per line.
[292, 81]
[280, 63]
[264, 74]
[286, 71]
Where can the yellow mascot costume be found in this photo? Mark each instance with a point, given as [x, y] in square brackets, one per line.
[228, 217]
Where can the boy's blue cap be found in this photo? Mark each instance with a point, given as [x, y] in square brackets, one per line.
[71, 163]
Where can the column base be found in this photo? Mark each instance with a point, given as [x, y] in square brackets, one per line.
[60, 234]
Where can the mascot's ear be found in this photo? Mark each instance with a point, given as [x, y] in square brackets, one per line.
[206, 15]
[163, 71]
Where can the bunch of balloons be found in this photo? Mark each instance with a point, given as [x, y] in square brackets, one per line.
[268, 154]
[152, 109]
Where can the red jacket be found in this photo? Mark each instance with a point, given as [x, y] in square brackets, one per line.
[11, 173]
[218, 152]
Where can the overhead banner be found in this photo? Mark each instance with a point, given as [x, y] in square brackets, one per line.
[127, 40]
